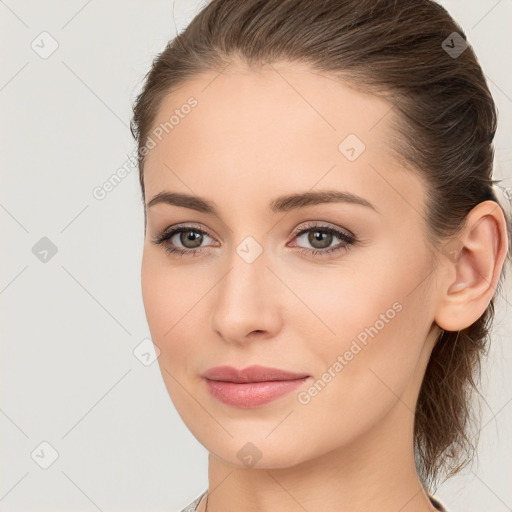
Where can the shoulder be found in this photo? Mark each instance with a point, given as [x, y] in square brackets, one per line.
[192, 506]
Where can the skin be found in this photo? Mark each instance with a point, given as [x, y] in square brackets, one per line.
[256, 135]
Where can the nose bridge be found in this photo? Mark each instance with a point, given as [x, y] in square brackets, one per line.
[243, 302]
[246, 277]
[247, 261]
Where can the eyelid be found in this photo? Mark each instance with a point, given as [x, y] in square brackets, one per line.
[296, 232]
[187, 225]
[322, 224]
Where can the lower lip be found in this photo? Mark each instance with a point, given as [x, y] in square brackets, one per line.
[251, 394]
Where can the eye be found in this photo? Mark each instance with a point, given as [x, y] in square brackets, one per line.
[188, 236]
[321, 238]
[187, 239]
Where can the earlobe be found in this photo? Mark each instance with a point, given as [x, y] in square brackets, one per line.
[472, 272]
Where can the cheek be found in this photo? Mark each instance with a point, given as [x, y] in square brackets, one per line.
[156, 300]
[163, 301]
[167, 292]
[374, 326]
[174, 299]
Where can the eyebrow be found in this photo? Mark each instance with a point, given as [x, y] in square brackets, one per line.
[283, 203]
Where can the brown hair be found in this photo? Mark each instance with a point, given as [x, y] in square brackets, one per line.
[447, 119]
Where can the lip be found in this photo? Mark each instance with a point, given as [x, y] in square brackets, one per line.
[251, 387]
[254, 373]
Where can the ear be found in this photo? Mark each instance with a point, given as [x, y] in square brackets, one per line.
[472, 262]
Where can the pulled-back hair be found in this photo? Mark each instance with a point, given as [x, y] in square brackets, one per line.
[405, 51]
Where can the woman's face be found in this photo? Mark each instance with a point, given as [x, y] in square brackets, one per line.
[356, 317]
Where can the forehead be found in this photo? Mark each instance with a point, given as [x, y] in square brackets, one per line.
[273, 129]
[274, 104]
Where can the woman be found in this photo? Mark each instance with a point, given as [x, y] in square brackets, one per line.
[323, 248]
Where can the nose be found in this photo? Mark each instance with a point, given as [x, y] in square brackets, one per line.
[247, 304]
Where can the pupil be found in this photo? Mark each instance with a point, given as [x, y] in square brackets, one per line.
[191, 236]
[325, 237]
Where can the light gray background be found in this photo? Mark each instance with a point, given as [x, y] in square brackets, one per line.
[69, 376]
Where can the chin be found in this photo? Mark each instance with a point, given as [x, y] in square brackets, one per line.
[254, 451]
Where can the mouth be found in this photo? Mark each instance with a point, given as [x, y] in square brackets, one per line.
[254, 373]
[252, 387]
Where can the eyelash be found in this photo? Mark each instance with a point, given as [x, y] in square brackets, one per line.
[348, 239]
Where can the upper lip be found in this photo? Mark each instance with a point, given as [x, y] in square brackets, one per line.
[254, 373]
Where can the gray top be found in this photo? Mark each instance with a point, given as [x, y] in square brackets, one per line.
[193, 506]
